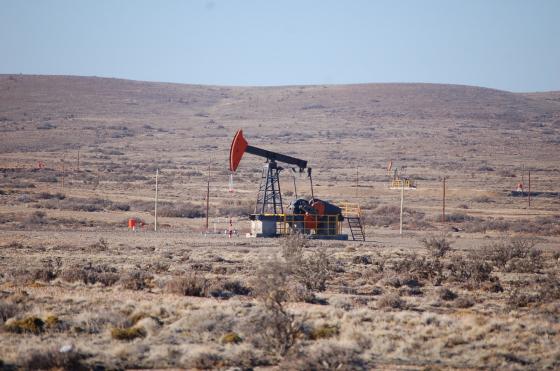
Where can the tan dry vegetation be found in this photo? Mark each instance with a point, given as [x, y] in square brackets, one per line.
[480, 291]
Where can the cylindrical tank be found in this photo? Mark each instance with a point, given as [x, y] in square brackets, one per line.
[132, 224]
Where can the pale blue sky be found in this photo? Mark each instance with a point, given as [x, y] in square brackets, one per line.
[504, 44]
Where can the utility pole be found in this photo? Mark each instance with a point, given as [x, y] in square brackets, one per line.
[402, 203]
[63, 173]
[207, 196]
[529, 194]
[443, 205]
[357, 180]
[156, 200]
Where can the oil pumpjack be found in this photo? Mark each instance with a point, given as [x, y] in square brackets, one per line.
[315, 218]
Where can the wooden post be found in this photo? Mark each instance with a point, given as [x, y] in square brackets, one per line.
[156, 200]
[63, 173]
[529, 194]
[207, 196]
[78, 168]
[443, 205]
[357, 181]
[402, 203]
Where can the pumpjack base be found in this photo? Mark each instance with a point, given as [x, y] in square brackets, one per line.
[266, 225]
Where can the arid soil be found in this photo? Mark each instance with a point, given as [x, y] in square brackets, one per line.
[78, 290]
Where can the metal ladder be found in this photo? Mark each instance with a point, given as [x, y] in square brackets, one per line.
[352, 214]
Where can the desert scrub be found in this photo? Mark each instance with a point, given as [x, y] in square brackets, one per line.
[391, 301]
[7, 311]
[52, 359]
[136, 280]
[324, 331]
[33, 325]
[231, 338]
[130, 333]
[437, 246]
[188, 285]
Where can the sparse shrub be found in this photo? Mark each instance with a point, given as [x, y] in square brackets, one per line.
[53, 359]
[7, 310]
[50, 196]
[458, 218]
[473, 270]
[205, 361]
[362, 259]
[91, 274]
[515, 255]
[464, 302]
[313, 269]
[323, 332]
[274, 327]
[437, 246]
[549, 288]
[127, 334]
[136, 280]
[36, 218]
[100, 245]
[446, 294]
[180, 210]
[228, 289]
[325, 356]
[483, 199]
[33, 325]
[391, 300]
[231, 338]
[519, 299]
[421, 268]
[188, 285]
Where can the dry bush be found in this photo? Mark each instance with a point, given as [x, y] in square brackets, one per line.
[437, 246]
[311, 270]
[446, 294]
[188, 285]
[50, 196]
[230, 208]
[229, 288]
[324, 331]
[52, 359]
[391, 300]
[7, 311]
[515, 255]
[390, 215]
[100, 245]
[472, 270]
[421, 268]
[180, 210]
[128, 334]
[549, 288]
[325, 356]
[231, 338]
[362, 259]
[464, 302]
[136, 280]
[519, 299]
[34, 219]
[274, 327]
[206, 361]
[91, 274]
[33, 325]
[483, 199]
